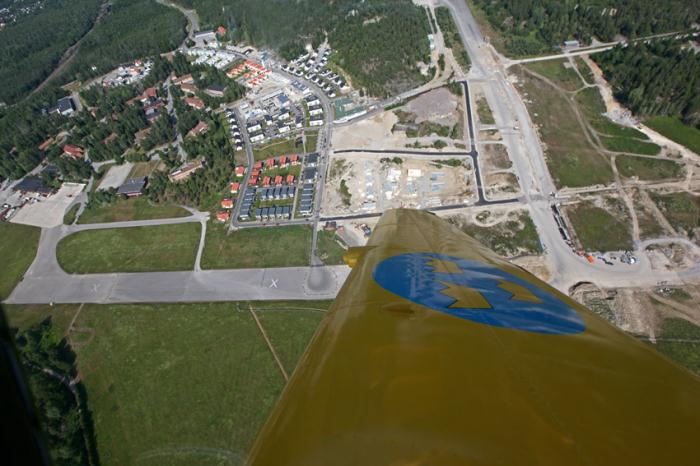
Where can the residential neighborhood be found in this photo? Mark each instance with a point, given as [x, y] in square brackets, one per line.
[197, 198]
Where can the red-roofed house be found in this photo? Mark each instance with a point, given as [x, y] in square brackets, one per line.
[290, 179]
[240, 171]
[73, 151]
[255, 173]
[195, 102]
[278, 180]
[294, 159]
[227, 204]
[283, 161]
[253, 181]
[266, 181]
[258, 165]
[234, 188]
[270, 163]
[199, 129]
[221, 31]
[133, 100]
[184, 79]
[223, 216]
[189, 88]
[109, 138]
[151, 92]
[46, 144]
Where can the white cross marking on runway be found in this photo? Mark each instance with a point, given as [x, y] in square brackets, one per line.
[95, 287]
[273, 282]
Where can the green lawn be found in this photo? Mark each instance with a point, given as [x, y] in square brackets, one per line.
[18, 245]
[177, 384]
[140, 169]
[648, 169]
[559, 71]
[138, 208]
[629, 145]
[328, 248]
[311, 141]
[290, 328]
[571, 159]
[286, 246]
[138, 249]
[674, 129]
[686, 353]
[599, 230]
[276, 148]
[682, 210]
[69, 217]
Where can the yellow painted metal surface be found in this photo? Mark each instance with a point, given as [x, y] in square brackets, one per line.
[390, 381]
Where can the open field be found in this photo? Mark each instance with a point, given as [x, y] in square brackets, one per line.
[680, 341]
[143, 367]
[18, 245]
[512, 234]
[646, 168]
[682, 210]
[591, 103]
[137, 208]
[290, 327]
[559, 71]
[140, 169]
[599, 230]
[571, 158]
[649, 226]
[483, 111]
[675, 130]
[585, 70]
[276, 148]
[494, 157]
[256, 247]
[328, 248]
[138, 249]
[629, 145]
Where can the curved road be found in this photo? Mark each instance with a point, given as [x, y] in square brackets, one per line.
[46, 282]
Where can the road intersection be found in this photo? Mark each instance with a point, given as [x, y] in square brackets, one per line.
[46, 282]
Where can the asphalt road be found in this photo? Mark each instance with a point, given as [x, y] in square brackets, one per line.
[46, 282]
[488, 67]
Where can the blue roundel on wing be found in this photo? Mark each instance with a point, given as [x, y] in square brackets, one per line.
[476, 291]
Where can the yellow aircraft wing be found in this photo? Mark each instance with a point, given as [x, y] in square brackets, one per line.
[437, 352]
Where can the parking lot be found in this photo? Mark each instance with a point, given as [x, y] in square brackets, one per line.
[47, 212]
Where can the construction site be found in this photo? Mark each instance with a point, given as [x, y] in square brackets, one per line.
[370, 182]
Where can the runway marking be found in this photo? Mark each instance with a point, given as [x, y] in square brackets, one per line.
[95, 286]
[273, 282]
